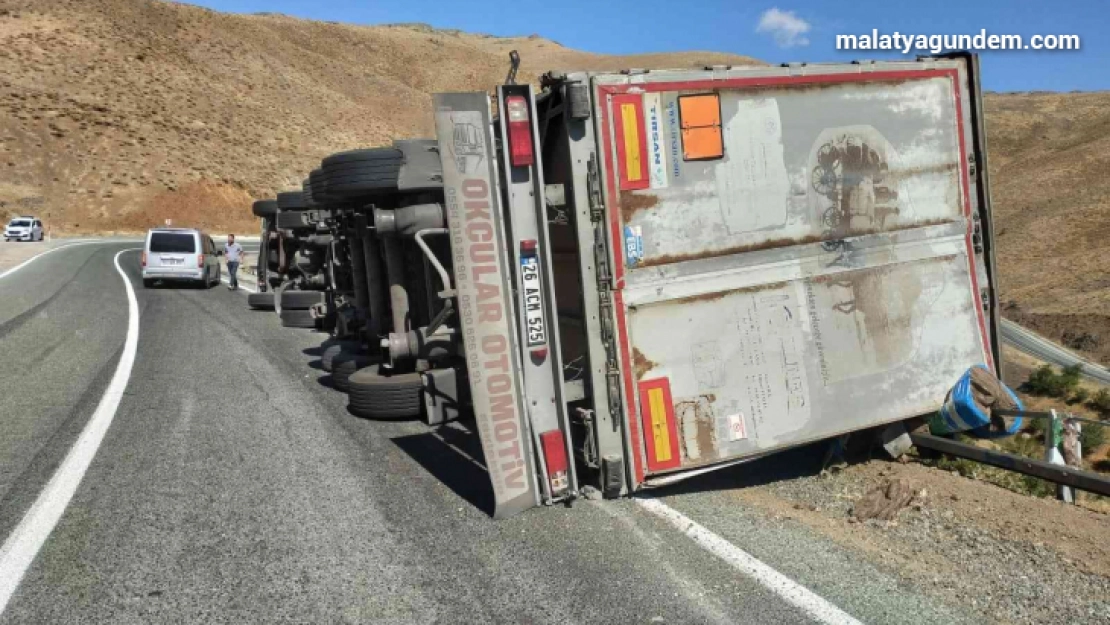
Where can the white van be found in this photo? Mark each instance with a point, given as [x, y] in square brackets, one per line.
[182, 255]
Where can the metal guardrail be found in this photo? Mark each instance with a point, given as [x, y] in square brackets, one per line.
[1052, 468]
[1035, 345]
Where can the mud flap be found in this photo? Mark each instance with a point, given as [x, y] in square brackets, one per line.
[484, 291]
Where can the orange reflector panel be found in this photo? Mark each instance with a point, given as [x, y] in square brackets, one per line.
[631, 141]
[700, 144]
[661, 432]
[700, 116]
[699, 110]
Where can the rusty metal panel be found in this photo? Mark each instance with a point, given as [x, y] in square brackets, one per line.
[803, 164]
[819, 277]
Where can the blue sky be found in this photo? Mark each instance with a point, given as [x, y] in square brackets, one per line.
[802, 30]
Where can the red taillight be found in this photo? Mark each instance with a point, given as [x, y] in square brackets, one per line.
[200, 260]
[520, 131]
[142, 260]
[555, 455]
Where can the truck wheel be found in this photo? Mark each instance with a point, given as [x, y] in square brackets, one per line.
[297, 319]
[361, 172]
[264, 208]
[377, 396]
[331, 352]
[344, 365]
[261, 301]
[291, 201]
[300, 300]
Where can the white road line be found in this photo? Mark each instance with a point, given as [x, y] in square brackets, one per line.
[790, 591]
[24, 543]
[51, 250]
[241, 285]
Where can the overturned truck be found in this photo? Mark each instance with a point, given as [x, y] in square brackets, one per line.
[627, 278]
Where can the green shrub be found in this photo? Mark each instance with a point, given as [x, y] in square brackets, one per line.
[1080, 396]
[1037, 487]
[1092, 436]
[1045, 381]
[1100, 401]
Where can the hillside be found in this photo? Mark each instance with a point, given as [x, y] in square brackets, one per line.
[1050, 175]
[119, 113]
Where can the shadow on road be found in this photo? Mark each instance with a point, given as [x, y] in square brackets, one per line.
[791, 464]
[453, 455]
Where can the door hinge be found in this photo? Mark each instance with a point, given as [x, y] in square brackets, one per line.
[608, 336]
[593, 187]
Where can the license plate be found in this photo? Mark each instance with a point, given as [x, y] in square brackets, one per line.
[532, 289]
[172, 261]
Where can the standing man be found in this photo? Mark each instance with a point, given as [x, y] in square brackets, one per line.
[234, 253]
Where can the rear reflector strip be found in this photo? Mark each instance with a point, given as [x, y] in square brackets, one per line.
[520, 131]
[660, 430]
[632, 162]
[555, 456]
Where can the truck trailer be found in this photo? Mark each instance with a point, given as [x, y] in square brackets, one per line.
[629, 278]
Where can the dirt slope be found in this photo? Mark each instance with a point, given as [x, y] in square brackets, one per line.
[1050, 171]
[114, 112]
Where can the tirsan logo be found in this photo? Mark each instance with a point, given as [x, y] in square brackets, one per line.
[656, 151]
[672, 120]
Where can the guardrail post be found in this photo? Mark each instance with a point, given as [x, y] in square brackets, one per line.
[1052, 454]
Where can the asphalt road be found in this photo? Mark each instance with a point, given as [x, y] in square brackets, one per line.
[1037, 346]
[233, 486]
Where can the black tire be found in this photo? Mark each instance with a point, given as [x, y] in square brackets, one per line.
[261, 301]
[264, 208]
[376, 396]
[291, 200]
[370, 155]
[332, 351]
[297, 319]
[317, 187]
[300, 300]
[148, 283]
[344, 364]
[361, 172]
[306, 192]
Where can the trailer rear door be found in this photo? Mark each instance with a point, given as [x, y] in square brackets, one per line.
[792, 252]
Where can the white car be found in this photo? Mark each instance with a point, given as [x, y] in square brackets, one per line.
[23, 229]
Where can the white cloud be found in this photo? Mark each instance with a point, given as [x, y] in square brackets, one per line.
[788, 29]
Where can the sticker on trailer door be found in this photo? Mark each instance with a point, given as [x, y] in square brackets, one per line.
[656, 139]
[531, 288]
[633, 245]
[736, 429]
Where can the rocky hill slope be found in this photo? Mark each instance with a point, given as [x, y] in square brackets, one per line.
[115, 114]
[1050, 174]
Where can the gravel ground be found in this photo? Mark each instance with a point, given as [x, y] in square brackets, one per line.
[1012, 558]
